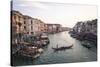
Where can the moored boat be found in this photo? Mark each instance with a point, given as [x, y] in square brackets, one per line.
[44, 39]
[32, 52]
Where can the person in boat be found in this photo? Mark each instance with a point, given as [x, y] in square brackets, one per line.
[57, 45]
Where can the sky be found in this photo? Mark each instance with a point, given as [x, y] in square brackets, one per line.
[57, 13]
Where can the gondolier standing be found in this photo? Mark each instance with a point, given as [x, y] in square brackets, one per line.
[57, 45]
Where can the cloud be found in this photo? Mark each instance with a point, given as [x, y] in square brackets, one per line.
[65, 14]
[30, 3]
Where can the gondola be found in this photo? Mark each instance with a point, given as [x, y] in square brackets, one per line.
[63, 48]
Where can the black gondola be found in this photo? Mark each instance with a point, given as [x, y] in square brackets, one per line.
[63, 48]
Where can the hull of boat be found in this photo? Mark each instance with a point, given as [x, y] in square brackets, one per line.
[63, 48]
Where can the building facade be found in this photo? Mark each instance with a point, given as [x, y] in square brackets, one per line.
[28, 25]
[17, 22]
[31, 26]
[54, 28]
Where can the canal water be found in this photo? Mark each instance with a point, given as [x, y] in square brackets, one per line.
[78, 53]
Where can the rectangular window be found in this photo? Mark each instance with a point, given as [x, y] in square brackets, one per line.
[19, 18]
[25, 27]
[31, 27]
[24, 22]
[14, 17]
[31, 22]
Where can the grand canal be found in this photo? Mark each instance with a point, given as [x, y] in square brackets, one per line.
[78, 53]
